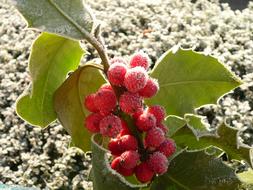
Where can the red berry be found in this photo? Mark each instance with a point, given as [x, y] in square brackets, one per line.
[130, 102]
[145, 121]
[135, 79]
[138, 113]
[116, 74]
[143, 173]
[92, 122]
[140, 59]
[117, 60]
[121, 144]
[105, 101]
[89, 103]
[163, 127]
[129, 159]
[106, 86]
[110, 126]
[154, 137]
[158, 112]
[158, 163]
[116, 165]
[150, 89]
[128, 142]
[125, 130]
[114, 146]
[126, 172]
[168, 147]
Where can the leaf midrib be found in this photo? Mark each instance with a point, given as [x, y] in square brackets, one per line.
[177, 182]
[76, 25]
[191, 82]
[47, 77]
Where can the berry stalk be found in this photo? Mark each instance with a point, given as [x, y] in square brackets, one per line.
[134, 131]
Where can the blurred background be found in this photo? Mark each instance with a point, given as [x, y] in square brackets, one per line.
[40, 158]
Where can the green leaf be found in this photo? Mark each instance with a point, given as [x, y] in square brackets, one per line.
[52, 57]
[103, 176]
[246, 177]
[225, 139]
[197, 171]
[196, 124]
[189, 80]
[68, 103]
[174, 123]
[69, 18]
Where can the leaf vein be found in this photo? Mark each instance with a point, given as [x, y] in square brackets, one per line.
[190, 82]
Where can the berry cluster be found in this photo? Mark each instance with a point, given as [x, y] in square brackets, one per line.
[144, 154]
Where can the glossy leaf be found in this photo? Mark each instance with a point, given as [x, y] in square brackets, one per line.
[68, 103]
[174, 123]
[103, 176]
[52, 57]
[198, 171]
[196, 124]
[226, 139]
[189, 80]
[69, 18]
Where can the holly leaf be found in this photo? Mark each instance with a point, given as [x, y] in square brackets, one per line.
[225, 139]
[198, 171]
[189, 80]
[68, 103]
[174, 123]
[52, 57]
[103, 176]
[69, 18]
[196, 124]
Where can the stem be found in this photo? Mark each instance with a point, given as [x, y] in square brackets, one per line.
[134, 131]
[100, 49]
[87, 36]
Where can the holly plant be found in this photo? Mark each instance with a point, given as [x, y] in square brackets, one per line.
[139, 123]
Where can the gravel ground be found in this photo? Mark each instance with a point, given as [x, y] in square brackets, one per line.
[40, 158]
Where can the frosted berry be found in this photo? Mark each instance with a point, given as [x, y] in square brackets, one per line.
[89, 103]
[116, 165]
[135, 79]
[140, 59]
[117, 60]
[105, 101]
[106, 86]
[116, 74]
[110, 125]
[145, 121]
[92, 122]
[150, 89]
[158, 163]
[121, 144]
[158, 112]
[125, 130]
[143, 173]
[168, 147]
[154, 137]
[137, 113]
[163, 127]
[129, 159]
[114, 146]
[126, 172]
[128, 142]
[130, 102]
